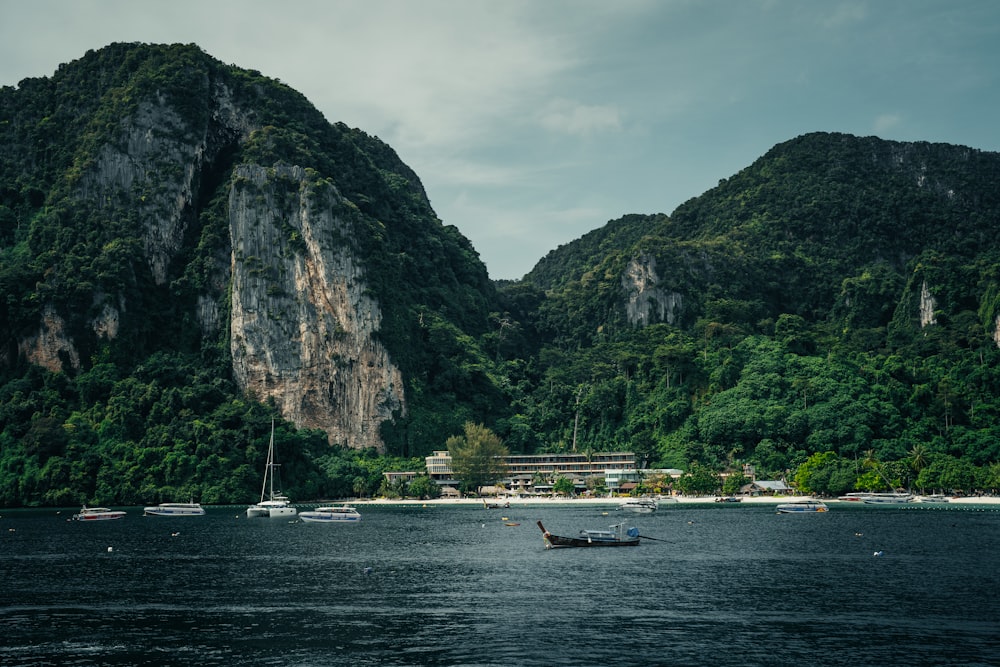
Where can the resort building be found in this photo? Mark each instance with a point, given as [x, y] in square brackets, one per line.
[534, 473]
[766, 488]
[625, 480]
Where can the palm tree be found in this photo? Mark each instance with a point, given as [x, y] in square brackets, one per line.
[918, 457]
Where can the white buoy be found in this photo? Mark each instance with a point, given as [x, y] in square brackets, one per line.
[877, 553]
[110, 549]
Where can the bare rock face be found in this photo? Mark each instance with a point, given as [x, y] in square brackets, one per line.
[927, 306]
[647, 303]
[50, 348]
[302, 326]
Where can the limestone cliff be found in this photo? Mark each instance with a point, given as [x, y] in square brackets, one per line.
[303, 326]
[645, 301]
[204, 204]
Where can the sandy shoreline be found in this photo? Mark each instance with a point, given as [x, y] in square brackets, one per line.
[614, 502]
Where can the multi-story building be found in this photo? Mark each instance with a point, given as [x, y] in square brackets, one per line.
[534, 473]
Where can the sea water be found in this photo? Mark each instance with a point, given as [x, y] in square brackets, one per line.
[457, 585]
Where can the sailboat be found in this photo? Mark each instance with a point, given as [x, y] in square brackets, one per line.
[272, 503]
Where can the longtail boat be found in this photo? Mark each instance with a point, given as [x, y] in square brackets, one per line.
[617, 536]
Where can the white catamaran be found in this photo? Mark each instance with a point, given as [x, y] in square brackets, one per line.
[272, 503]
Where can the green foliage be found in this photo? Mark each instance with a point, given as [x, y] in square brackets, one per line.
[424, 487]
[698, 481]
[563, 486]
[775, 320]
[477, 456]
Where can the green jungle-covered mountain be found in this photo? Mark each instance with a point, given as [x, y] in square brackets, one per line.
[189, 250]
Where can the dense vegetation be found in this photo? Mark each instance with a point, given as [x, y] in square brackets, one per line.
[798, 345]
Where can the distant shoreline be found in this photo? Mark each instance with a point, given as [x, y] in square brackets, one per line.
[614, 502]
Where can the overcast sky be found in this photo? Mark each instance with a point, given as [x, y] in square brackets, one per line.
[531, 123]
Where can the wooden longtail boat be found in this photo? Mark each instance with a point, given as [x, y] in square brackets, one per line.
[617, 536]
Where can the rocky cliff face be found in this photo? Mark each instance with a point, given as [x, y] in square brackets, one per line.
[645, 301]
[302, 326]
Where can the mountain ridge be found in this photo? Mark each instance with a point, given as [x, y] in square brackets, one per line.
[189, 249]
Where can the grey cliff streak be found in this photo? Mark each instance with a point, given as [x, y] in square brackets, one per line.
[303, 327]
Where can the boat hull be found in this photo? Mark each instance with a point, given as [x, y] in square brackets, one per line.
[319, 517]
[174, 509]
[98, 514]
[559, 542]
[270, 512]
[332, 514]
[886, 500]
[802, 508]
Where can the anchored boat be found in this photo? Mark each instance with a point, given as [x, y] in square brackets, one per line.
[616, 536]
[272, 503]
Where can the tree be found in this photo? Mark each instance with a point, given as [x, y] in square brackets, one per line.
[477, 457]
[423, 487]
[699, 480]
[564, 486]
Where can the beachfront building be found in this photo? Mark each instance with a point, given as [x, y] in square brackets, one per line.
[765, 488]
[535, 473]
[624, 481]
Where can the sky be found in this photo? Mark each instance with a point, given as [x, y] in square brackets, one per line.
[533, 122]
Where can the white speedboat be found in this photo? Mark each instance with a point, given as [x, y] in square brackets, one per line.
[332, 514]
[854, 497]
[174, 509]
[806, 505]
[272, 503]
[97, 514]
[888, 498]
[639, 505]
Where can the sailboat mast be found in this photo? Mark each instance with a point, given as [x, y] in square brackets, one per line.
[268, 472]
[270, 461]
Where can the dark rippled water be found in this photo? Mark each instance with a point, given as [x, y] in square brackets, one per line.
[734, 585]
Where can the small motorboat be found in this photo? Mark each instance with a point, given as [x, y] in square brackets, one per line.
[174, 509]
[616, 536]
[332, 514]
[639, 505]
[888, 498]
[97, 514]
[806, 505]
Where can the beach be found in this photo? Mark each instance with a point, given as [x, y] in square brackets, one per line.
[516, 501]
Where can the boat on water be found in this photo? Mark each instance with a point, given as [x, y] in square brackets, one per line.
[174, 509]
[888, 498]
[639, 505]
[936, 498]
[806, 505]
[854, 497]
[332, 514]
[615, 536]
[498, 505]
[97, 514]
[273, 504]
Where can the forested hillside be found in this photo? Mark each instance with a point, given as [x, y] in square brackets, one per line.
[840, 294]
[189, 249]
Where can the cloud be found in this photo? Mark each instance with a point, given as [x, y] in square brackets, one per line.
[580, 119]
[886, 122]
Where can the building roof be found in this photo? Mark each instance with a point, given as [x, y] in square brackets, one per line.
[770, 485]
